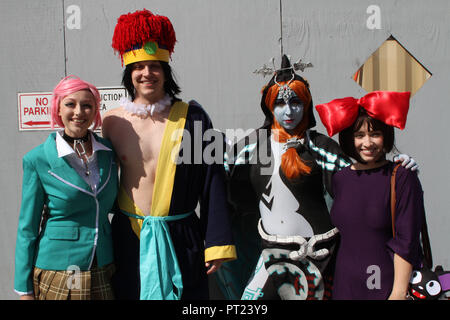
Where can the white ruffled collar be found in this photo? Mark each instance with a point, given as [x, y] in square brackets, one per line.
[144, 110]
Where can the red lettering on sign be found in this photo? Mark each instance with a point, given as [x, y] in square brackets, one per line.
[42, 111]
[41, 101]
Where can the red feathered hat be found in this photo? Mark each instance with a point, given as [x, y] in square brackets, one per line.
[142, 36]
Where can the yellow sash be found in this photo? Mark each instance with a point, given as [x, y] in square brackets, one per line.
[165, 170]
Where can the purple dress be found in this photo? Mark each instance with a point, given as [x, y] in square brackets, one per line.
[361, 211]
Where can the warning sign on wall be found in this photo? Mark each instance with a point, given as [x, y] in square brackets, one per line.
[34, 111]
[34, 108]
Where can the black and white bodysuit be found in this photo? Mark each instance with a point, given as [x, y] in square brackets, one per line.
[298, 239]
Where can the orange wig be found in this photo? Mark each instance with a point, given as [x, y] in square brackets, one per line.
[291, 163]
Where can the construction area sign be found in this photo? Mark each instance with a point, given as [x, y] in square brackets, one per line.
[34, 108]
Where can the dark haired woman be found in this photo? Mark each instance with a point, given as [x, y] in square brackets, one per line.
[371, 264]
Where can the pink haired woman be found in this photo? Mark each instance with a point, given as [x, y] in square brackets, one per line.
[66, 254]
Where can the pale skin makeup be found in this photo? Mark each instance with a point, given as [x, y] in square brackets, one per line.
[290, 114]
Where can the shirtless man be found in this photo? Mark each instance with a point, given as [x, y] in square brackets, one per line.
[138, 157]
[157, 198]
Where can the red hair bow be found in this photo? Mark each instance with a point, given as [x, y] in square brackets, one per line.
[387, 106]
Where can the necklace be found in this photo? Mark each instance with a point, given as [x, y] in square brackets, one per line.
[144, 110]
[81, 150]
[69, 139]
[292, 143]
[82, 154]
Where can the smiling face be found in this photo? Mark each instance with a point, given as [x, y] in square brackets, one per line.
[77, 112]
[148, 80]
[290, 114]
[369, 144]
[354, 140]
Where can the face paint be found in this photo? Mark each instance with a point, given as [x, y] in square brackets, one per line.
[289, 115]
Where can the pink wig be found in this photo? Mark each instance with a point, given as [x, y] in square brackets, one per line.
[69, 85]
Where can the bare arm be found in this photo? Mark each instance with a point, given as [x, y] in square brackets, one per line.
[402, 274]
[106, 124]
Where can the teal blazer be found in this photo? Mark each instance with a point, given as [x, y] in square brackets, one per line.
[77, 227]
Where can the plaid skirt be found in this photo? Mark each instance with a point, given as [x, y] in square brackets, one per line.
[73, 284]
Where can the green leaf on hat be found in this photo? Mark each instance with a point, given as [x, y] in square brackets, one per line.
[150, 47]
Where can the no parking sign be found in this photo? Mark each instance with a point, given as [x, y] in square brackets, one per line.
[34, 111]
[34, 108]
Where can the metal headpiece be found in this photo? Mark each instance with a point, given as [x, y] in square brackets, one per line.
[299, 65]
[285, 92]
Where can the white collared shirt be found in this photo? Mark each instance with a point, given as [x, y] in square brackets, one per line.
[66, 151]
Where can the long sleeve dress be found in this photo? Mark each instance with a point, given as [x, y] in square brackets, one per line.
[361, 212]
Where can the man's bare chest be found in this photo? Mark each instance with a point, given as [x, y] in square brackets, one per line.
[140, 142]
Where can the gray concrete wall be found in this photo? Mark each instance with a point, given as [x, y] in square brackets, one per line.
[220, 44]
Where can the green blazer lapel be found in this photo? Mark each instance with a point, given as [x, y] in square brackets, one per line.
[60, 168]
[104, 162]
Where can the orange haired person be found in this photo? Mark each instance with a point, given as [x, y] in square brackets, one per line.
[282, 174]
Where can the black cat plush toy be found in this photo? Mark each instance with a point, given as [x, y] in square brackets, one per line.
[426, 284]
